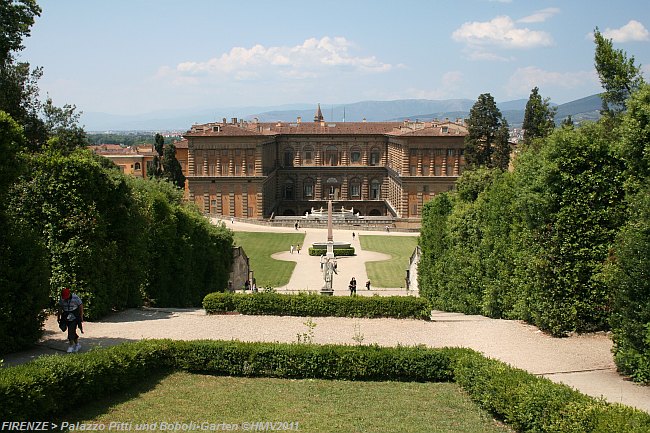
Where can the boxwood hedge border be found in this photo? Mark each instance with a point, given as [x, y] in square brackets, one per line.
[50, 385]
[315, 305]
[338, 252]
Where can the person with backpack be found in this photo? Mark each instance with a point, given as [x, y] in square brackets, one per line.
[353, 286]
[70, 316]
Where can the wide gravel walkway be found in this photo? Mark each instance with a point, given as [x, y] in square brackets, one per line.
[583, 361]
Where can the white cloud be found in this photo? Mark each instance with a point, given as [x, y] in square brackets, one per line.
[539, 16]
[632, 31]
[500, 32]
[310, 59]
[524, 79]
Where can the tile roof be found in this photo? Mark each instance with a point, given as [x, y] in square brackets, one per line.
[116, 149]
[401, 129]
[183, 144]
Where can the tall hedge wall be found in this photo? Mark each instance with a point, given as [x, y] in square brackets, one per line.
[561, 241]
[24, 266]
[116, 240]
[529, 244]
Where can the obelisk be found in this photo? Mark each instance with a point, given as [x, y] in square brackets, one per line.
[330, 236]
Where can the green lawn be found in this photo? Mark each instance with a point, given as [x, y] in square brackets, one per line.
[260, 246]
[389, 273]
[312, 405]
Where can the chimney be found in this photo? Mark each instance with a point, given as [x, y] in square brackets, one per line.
[224, 121]
[233, 120]
[299, 120]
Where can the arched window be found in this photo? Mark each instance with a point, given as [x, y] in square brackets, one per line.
[355, 155]
[288, 157]
[137, 166]
[308, 155]
[308, 188]
[288, 190]
[355, 188]
[375, 189]
[331, 156]
[374, 156]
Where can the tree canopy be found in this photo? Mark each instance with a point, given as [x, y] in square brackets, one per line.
[486, 144]
[539, 117]
[16, 20]
[618, 74]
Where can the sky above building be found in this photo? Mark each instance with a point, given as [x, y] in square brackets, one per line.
[139, 56]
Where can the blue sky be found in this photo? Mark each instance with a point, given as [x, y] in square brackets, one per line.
[138, 56]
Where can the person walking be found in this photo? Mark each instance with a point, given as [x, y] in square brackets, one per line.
[368, 285]
[352, 236]
[291, 249]
[298, 248]
[70, 316]
[353, 286]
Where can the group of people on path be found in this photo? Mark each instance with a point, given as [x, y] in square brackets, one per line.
[250, 285]
[353, 286]
[296, 248]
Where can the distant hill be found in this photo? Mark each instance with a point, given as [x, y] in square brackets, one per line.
[513, 111]
[372, 111]
[581, 109]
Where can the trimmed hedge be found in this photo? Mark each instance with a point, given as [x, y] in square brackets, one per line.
[337, 251]
[41, 388]
[313, 305]
[50, 385]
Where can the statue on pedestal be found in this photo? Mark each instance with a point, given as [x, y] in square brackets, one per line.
[329, 269]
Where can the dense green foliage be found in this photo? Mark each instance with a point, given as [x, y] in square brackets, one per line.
[531, 243]
[125, 139]
[629, 278]
[24, 271]
[628, 271]
[400, 307]
[187, 256]
[119, 241]
[539, 117]
[530, 404]
[337, 251]
[618, 74]
[116, 241]
[486, 144]
[17, 20]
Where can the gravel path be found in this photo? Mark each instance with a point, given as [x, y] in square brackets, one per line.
[584, 362]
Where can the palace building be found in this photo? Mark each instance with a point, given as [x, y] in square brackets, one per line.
[251, 169]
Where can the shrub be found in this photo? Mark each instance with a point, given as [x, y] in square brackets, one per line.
[41, 388]
[50, 385]
[316, 305]
[339, 252]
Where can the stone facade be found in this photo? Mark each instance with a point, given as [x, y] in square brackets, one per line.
[256, 170]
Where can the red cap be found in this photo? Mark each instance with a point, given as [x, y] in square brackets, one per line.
[65, 293]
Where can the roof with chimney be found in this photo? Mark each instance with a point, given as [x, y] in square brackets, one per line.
[239, 127]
